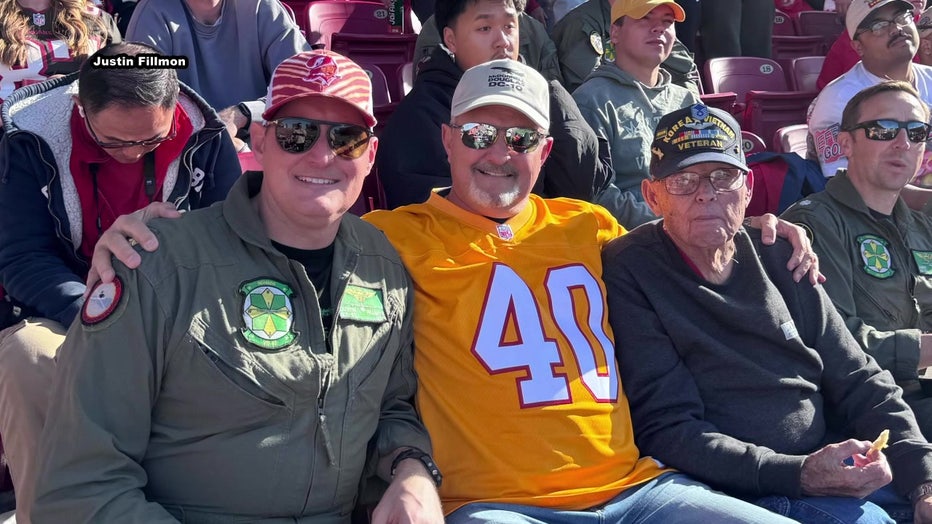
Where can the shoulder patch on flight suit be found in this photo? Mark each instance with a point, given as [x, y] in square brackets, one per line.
[877, 260]
[268, 315]
[595, 40]
[923, 261]
[101, 302]
[363, 304]
[807, 229]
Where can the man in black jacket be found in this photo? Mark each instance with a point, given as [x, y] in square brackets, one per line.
[412, 160]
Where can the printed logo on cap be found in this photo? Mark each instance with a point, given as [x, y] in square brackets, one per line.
[506, 77]
[322, 70]
[872, 3]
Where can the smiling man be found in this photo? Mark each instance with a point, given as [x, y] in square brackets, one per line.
[78, 152]
[257, 366]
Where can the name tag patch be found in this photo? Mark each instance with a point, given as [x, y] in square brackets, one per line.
[363, 304]
[923, 261]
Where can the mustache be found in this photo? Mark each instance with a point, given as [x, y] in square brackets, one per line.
[899, 34]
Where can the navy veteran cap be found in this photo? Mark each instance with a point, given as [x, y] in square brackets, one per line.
[693, 135]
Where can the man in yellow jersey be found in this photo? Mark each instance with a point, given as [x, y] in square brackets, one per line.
[518, 383]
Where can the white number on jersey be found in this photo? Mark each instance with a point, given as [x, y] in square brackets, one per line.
[510, 303]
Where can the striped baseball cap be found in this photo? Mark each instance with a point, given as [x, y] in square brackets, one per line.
[320, 73]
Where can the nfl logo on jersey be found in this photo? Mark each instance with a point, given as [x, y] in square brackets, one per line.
[38, 19]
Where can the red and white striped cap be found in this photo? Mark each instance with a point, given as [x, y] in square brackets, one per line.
[320, 73]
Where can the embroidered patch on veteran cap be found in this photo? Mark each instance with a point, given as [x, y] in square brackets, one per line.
[693, 135]
[102, 301]
[363, 304]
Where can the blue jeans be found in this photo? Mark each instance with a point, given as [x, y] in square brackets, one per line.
[672, 498]
[883, 506]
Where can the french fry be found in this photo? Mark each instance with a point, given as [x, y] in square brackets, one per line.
[881, 441]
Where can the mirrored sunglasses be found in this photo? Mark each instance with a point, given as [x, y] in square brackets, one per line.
[887, 129]
[687, 183]
[297, 135]
[482, 136]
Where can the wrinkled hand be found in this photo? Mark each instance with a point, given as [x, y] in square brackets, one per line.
[923, 511]
[803, 260]
[118, 241]
[824, 472]
[410, 498]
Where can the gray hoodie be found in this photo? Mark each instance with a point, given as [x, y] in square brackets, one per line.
[624, 112]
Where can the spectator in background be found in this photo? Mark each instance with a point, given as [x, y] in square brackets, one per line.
[842, 56]
[584, 42]
[624, 100]
[40, 39]
[877, 253]
[884, 35]
[534, 45]
[687, 29]
[562, 7]
[411, 158]
[736, 28]
[78, 152]
[232, 47]
[924, 26]
[736, 374]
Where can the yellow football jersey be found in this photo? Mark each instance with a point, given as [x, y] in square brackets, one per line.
[518, 382]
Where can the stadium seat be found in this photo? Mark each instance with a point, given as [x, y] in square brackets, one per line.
[361, 17]
[751, 143]
[768, 111]
[742, 74]
[389, 52]
[826, 24]
[381, 94]
[786, 48]
[407, 77]
[791, 139]
[783, 24]
[804, 72]
[723, 101]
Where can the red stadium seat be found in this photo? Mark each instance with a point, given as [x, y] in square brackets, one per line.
[723, 101]
[389, 52]
[792, 139]
[826, 24]
[768, 111]
[742, 74]
[786, 48]
[326, 17]
[381, 94]
[804, 72]
[751, 143]
[783, 24]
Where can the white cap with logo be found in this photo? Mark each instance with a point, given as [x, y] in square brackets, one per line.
[506, 83]
[859, 10]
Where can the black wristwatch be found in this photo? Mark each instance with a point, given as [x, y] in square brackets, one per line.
[244, 109]
[414, 453]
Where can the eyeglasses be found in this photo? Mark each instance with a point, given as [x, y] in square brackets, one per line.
[886, 130]
[879, 26]
[482, 136]
[687, 183]
[297, 135]
[133, 143]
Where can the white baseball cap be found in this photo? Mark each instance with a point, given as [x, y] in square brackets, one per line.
[506, 83]
[859, 10]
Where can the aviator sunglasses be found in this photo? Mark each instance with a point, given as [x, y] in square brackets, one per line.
[887, 129]
[482, 136]
[297, 135]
